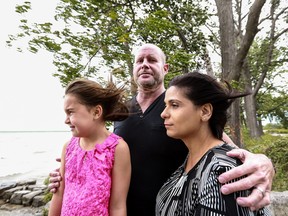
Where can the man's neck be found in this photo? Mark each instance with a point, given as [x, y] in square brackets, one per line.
[146, 97]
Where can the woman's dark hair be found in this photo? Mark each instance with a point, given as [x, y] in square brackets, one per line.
[201, 89]
[91, 94]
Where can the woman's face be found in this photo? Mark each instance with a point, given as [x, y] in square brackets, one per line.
[181, 117]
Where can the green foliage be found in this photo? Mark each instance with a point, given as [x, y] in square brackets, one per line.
[275, 148]
[257, 145]
[273, 107]
[272, 126]
[97, 37]
[46, 181]
[277, 131]
[45, 212]
[272, 98]
[47, 195]
[278, 152]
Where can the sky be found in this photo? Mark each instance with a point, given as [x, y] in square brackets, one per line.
[30, 97]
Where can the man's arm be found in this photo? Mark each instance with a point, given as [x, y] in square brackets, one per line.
[54, 179]
[260, 172]
[57, 198]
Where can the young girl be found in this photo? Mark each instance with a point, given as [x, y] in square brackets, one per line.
[195, 112]
[95, 163]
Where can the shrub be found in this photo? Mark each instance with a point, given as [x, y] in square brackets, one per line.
[278, 153]
[276, 148]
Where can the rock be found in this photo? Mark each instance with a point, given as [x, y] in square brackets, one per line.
[8, 193]
[37, 187]
[38, 201]
[16, 197]
[27, 182]
[6, 186]
[28, 198]
[279, 203]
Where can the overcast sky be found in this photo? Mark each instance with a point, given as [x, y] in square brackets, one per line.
[30, 97]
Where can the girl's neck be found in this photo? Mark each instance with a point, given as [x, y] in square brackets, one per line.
[88, 143]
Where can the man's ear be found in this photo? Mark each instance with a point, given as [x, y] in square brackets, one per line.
[166, 68]
[206, 111]
[97, 112]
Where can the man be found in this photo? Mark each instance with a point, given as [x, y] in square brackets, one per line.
[155, 156]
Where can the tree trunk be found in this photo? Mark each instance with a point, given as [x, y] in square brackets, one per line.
[250, 104]
[251, 113]
[235, 125]
[233, 57]
[227, 36]
[228, 53]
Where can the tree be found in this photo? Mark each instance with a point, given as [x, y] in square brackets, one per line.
[237, 38]
[264, 63]
[234, 50]
[106, 31]
[97, 37]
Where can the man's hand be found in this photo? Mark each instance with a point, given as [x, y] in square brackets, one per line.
[54, 179]
[260, 172]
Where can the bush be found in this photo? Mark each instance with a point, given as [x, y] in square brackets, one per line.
[278, 153]
[48, 195]
[277, 131]
[276, 148]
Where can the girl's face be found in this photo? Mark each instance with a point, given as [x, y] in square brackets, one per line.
[78, 116]
[181, 117]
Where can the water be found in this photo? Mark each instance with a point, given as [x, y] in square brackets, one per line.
[25, 155]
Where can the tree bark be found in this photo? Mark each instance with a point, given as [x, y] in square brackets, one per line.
[233, 58]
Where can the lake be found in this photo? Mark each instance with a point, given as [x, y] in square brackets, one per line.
[25, 155]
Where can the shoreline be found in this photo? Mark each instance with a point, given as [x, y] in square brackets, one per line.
[18, 177]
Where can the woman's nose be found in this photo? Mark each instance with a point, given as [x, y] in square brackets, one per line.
[164, 114]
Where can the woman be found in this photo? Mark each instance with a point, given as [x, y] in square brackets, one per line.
[195, 112]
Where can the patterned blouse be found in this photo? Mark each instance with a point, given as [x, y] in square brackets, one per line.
[198, 191]
[88, 178]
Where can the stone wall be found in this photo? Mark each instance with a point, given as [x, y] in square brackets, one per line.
[279, 203]
[28, 193]
[25, 193]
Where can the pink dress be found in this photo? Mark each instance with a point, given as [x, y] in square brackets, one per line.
[88, 178]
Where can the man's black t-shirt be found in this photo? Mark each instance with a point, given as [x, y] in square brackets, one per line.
[154, 155]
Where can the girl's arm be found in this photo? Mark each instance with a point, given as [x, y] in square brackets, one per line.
[121, 175]
[56, 202]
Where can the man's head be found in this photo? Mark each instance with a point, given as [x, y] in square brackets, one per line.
[150, 67]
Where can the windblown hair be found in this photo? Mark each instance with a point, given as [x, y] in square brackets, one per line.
[202, 89]
[91, 94]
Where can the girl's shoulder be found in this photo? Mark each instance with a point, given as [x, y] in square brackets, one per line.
[113, 140]
[122, 146]
[72, 143]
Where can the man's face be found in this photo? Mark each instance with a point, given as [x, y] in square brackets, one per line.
[149, 68]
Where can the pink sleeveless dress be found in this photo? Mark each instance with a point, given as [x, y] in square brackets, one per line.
[88, 178]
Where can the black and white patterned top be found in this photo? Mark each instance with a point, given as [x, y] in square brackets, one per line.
[198, 191]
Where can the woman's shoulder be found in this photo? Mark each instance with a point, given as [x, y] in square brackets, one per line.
[221, 159]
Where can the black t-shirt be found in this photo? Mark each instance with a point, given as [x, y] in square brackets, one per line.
[154, 155]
